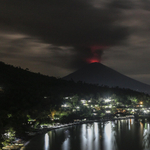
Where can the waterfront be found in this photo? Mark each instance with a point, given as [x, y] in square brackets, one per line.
[111, 135]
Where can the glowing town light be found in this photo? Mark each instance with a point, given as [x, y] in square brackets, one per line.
[107, 100]
[66, 97]
[95, 114]
[83, 101]
[85, 104]
[108, 111]
[110, 106]
[141, 103]
[65, 105]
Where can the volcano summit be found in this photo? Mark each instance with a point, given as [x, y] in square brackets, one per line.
[97, 73]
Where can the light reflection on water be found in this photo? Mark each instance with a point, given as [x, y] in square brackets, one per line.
[111, 135]
[46, 141]
[65, 144]
[90, 137]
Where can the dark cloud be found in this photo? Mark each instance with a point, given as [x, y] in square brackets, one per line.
[56, 37]
[70, 23]
[146, 4]
[121, 4]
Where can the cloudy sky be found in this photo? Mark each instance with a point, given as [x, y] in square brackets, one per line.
[56, 37]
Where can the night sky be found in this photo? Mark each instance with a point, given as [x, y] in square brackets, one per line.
[57, 37]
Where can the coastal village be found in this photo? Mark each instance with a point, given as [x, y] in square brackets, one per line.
[107, 107]
[99, 110]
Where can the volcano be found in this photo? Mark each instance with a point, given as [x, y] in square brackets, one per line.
[97, 73]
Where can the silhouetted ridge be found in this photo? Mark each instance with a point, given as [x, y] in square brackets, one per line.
[96, 73]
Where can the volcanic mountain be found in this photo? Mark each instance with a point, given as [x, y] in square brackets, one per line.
[97, 73]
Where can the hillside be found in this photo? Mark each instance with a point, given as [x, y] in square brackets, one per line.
[100, 74]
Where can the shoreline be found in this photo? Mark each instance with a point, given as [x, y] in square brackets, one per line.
[45, 130]
[27, 140]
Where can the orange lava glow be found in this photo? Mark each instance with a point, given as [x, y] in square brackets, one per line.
[96, 53]
[92, 60]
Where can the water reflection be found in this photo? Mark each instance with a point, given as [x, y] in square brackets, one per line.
[107, 135]
[146, 136]
[46, 141]
[111, 135]
[90, 137]
[66, 144]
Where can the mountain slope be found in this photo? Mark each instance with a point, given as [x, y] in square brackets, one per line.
[97, 73]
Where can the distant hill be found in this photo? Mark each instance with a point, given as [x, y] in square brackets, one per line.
[96, 73]
[35, 84]
[15, 78]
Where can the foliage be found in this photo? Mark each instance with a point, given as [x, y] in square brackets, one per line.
[8, 136]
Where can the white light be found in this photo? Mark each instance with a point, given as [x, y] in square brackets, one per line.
[107, 100]
[86, 104]
[66, 144]
[46, 141]
[83, 101]
[108, 111]
[66, 97]
[109, 143]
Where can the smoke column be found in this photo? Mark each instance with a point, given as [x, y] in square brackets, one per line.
[96, 53]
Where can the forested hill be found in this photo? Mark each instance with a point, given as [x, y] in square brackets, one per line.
[15, 78]
[35, 83]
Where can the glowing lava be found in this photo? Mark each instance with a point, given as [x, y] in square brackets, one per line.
[96, 53]
[92, 60]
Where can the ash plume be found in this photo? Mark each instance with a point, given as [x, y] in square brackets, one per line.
[80, 24]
